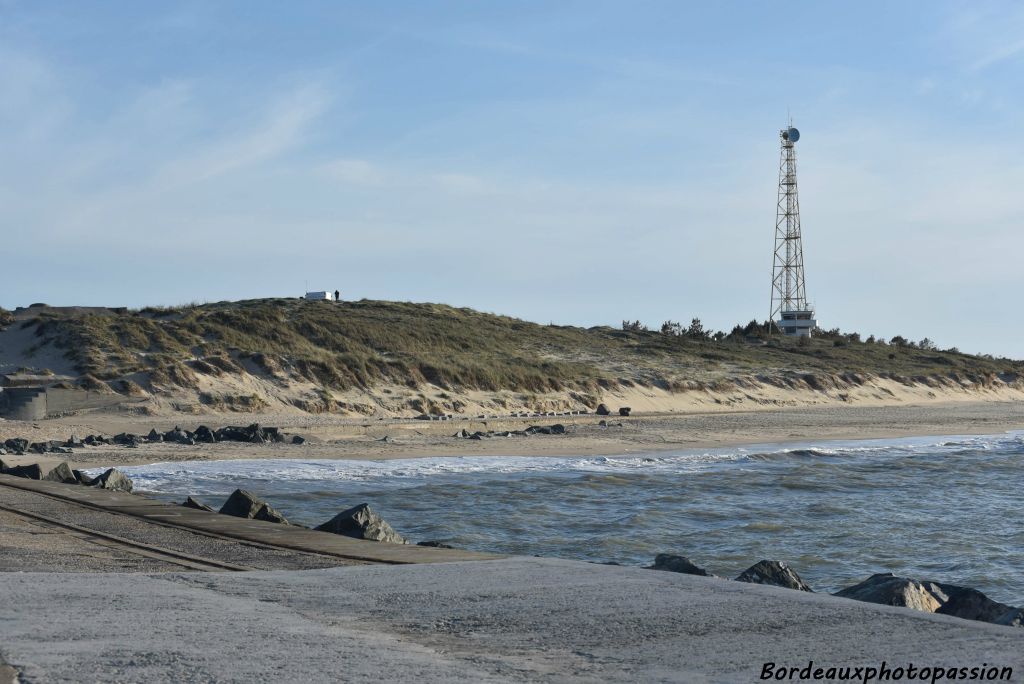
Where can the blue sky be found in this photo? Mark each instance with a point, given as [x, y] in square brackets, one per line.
[574, 162]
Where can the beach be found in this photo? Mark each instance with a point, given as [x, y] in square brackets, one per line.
[360, 439]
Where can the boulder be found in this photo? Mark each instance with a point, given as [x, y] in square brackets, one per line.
[38, 447]
[268, 514]
[195, 503]
[434, 544]
[602, 410]
[126, 439]
[16, 444]
[673, 563]
[243, 504]
[558, 429]
[234, 433]
[204, 434]
[1013, 618]
[114, 480]
[154, 436]
[31, 472]
[256, 434]
[62, 473]
[82, 478]
[890, 590]
[73, 442]
[624, 411]
[775, 573]
[361, 522]
[967, 603]
[179, 436]
[298, 440]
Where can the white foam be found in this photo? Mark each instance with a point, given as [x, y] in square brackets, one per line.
[413, 471]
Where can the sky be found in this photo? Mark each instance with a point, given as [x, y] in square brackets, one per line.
[570, 162]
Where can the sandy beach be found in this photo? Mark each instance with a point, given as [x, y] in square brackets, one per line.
[345, 438]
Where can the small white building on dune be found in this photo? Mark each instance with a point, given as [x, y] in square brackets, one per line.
[323, 296]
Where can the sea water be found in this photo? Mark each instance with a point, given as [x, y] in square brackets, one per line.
[941, 508]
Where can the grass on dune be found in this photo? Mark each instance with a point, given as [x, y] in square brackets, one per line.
[342, 345]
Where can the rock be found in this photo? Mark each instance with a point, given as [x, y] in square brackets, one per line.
[243, 504]
[273, 434]
[126, 439]
[268, 514]
[558, 429]
[17, 445]
[204, 434]
[73, 443]
[967, 603]
[82, 478]
[3, 466]
[775, 573]
[198, 505]
[361, 522]
[231, 433]
[154, 436]
[602, 410]
[114, 480]
[624, 411]
[1013, 618]
[434, 544]
[298, 440]
[62, 473]
[673, 563]
[31, 472]
[179, 436]
[252, 434]
[889, 590]
[463, 433]
[38, 447]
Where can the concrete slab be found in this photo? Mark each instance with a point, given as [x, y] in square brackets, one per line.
[255, 531]
[517, 619]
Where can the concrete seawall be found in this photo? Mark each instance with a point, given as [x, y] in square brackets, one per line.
[517, 619]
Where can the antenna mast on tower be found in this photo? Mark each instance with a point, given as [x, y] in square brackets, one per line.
[791, 313]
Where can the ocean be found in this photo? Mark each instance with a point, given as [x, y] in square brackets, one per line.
[939, 508]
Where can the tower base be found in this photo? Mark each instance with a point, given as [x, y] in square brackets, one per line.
[797, 323]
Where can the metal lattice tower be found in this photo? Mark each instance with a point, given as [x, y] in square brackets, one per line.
[791, 312]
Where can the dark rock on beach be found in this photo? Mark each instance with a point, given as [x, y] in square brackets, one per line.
[17, 445]
[1013, 618]
[204, 434]
[197, 504]
[154, 436]
[243, 504]
[970, 604]
[114, 480]
[602, 410]
[62, 473]
[890, 590]
[82, 478]
[673, 563]
[775, 573]
[625, 411]
[434, 544]
[361, 522]
[31, 472]
[933, 597]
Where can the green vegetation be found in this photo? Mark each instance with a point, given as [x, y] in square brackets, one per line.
[362, 344]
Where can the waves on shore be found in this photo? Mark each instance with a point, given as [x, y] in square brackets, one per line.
[947, 508]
